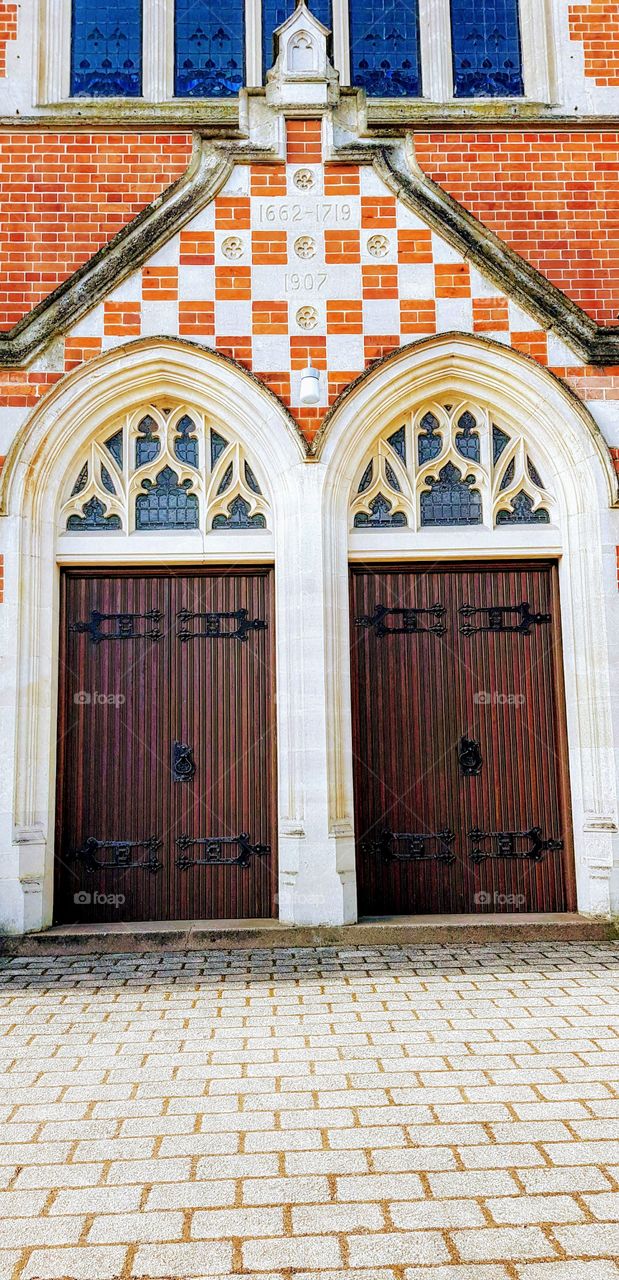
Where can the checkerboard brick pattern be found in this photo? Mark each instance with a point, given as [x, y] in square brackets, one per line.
[377, 1113]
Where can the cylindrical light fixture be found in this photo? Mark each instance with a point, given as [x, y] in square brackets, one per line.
[310, 386]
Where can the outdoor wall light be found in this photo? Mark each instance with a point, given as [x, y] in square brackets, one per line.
[310, 386]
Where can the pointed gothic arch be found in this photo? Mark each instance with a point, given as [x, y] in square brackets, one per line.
[42, 478]
[578, 474]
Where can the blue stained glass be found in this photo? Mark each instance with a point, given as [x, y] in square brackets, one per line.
[94, 517]
[274, 12]
[210, 49]
[450, 499]
[384, 47]
[106, 49]
[485, 40]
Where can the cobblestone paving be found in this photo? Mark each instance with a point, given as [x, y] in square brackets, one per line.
[436, 1113]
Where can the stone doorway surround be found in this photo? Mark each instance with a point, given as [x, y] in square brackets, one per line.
[312, 545]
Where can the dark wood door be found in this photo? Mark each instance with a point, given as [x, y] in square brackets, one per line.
[461, 794]
[166, 747]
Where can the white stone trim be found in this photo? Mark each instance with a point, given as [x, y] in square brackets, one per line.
[311, 547]
[435, 50]
[53, 64]
[577, 464]
[157, 50]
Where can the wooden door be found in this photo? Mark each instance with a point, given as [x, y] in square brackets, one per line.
[461, 796]
[166, 747]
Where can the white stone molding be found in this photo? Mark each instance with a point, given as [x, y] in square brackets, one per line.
[302, 75]
[576, 467]
[157, 50]
[36, 475]
[311, 544]
[53, 64]
[435, 49]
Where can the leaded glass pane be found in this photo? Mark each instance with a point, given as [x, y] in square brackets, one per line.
[186, 444]
[251, 479]
[467, 439]
[274, 12]
[115, 446]
[485, 38]
[500, 441]
[218, 444]
[81, 481]
[534, 474]
[429, 444]
[94, 517]
[450, 499]
[166, 504]
[398, 442]
[384, 47]
[209, 48]
[239, 517]
[522, 512]
[147, 443]
[381, 516]
[106, 48]
[366, 478]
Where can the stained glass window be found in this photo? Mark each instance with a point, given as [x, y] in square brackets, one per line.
[209, 48]
[239, 517]
[381, 516]
[166, 504]
[485, 41]
[450, 499]
[522, 512]
[106, 48]
[384, 47]
[93, 517]
[274, 12]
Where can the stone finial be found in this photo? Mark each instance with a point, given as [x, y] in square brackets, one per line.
[302, 75]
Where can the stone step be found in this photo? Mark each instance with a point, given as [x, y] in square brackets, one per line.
[209, 935]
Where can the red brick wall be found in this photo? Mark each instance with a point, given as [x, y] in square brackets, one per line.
[554, 197]
[63, 196]
[8, 31]
[596, 27]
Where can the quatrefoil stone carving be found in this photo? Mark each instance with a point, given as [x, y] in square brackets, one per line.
[232, 247]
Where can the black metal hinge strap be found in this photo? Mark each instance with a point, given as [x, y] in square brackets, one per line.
[125, 626]
[123, 856]
[213, 628]
[511, 844]
[414, 846]
[515, 618]
[413, 620]
[214, 855]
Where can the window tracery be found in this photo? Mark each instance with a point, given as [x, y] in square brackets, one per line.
[450, 464]
[164, 467]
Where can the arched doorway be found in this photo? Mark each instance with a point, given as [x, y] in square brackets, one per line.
[147, 500]
[465, 489]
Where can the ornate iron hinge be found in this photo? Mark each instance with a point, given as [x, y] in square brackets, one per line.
[497, 618]
[125, 629]
[511, 844]
[416, 846]
[183, 763]
[470, 757]
[213, 629]
[122, 854]
[412, 620]
[213, 849]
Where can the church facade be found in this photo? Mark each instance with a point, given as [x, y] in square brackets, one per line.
[309, 415]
